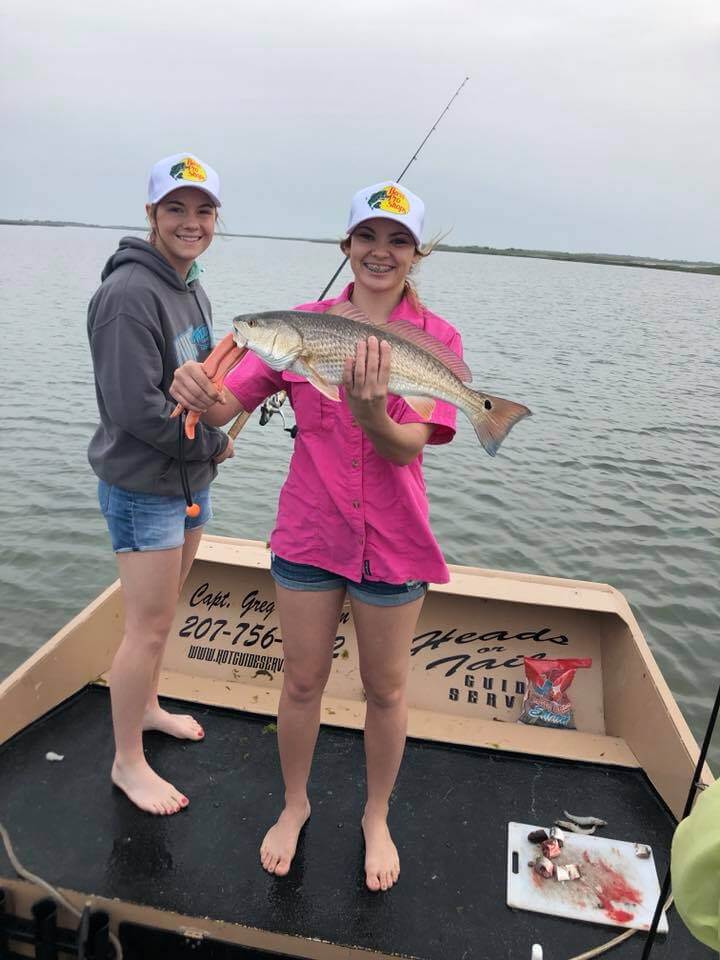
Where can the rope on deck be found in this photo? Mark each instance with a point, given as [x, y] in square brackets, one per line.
[53, 891]
[615, 942]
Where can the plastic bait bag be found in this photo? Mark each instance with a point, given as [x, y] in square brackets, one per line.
[546, 702]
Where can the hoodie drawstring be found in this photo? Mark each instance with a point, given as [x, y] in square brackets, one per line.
[192, 509]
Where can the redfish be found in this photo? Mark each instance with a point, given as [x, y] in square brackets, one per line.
[422, 369]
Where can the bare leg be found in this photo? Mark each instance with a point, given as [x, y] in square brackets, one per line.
[308, 621]
[384, 635]
[149, 581]
[182, 726]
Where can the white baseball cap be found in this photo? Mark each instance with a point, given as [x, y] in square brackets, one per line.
[182, 170]
[391, 201]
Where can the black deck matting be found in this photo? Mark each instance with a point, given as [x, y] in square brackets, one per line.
[448, 817]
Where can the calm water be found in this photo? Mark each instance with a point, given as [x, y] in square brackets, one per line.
[614, 479]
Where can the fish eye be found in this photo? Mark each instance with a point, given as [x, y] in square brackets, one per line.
[252, 323]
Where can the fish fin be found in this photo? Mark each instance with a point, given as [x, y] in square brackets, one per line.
[328, 390]
[493, 418]
[423, 406]
[408, 331]
[349, 311]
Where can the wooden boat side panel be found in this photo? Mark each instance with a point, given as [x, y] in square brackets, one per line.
[422, 724]
[466, 658]
[78, 653]
[641, 710]
[464, 580]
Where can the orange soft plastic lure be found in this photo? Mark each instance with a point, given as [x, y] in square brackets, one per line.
[219, 362]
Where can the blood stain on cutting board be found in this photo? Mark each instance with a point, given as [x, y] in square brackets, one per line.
[612, 888]
[601, 887]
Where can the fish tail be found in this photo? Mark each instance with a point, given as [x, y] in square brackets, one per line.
[493, 417]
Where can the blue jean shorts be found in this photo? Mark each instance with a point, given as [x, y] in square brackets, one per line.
[149, 521]
[302, 576]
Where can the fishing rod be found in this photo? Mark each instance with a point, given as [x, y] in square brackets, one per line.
[240, 422]
[694, 787]
[405, 169]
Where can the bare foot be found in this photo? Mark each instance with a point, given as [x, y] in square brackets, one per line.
[382, 863]
[146, 789]
[278, 847]
[177, 725]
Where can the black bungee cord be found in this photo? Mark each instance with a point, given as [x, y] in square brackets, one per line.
[192, 509]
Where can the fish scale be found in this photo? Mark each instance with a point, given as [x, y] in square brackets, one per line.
[316, 345]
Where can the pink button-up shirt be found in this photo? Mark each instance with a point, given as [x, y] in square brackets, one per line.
[343, 507]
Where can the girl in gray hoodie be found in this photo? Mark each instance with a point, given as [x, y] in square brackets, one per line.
[150, 315]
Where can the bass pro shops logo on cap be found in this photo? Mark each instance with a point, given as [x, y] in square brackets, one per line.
[391, 200]
[188, 169]
[386, 200]
[179, 171]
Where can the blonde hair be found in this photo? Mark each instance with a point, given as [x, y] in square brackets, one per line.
[151, 217]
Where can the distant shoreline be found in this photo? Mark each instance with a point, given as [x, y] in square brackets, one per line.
[608, 259]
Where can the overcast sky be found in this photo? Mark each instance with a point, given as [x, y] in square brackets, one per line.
[587, 125]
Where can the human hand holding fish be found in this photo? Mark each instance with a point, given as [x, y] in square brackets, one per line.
[365, 373]
[365, 381]
[365, 378]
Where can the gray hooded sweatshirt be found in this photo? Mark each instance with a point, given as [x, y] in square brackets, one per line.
[143, 322]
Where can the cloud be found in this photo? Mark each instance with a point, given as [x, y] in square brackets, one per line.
[583, 126]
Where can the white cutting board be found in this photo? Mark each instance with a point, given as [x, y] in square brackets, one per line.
[626, 885]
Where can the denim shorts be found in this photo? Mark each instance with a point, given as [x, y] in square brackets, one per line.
[302, 576]
[149, 521]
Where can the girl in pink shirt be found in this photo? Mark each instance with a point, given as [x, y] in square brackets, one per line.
[352, 518]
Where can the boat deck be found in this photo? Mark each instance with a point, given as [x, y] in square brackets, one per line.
[449, 816]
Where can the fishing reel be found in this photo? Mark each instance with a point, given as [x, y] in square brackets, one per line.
[272, 406]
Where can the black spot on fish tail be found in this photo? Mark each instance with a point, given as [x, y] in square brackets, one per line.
[493, 419]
